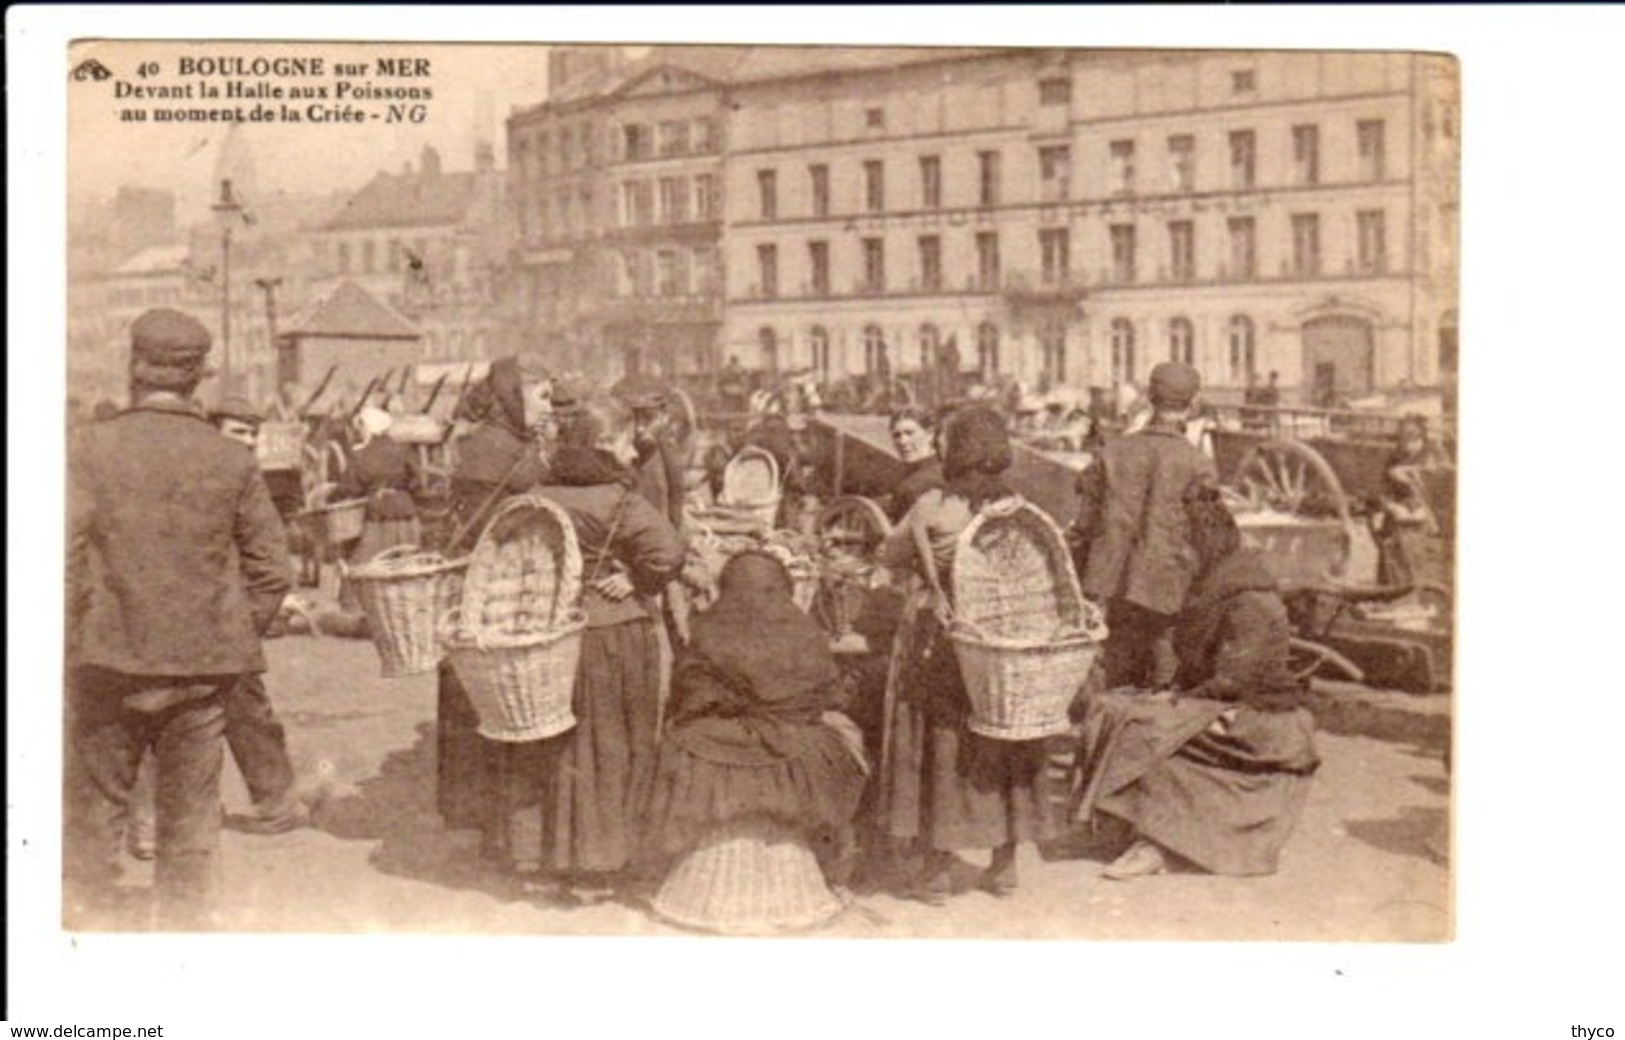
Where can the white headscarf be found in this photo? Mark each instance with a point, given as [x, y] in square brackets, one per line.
[373, 422]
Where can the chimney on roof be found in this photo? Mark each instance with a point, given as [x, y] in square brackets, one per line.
[429, 163]
[485, 157]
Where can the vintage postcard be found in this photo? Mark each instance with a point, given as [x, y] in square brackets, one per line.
[550, 498]
[851, 491]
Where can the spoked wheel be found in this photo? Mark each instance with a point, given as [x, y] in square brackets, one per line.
[1290, 477]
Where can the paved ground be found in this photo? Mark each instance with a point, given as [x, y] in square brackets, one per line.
[1365, 864]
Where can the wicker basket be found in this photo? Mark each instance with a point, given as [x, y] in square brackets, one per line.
[515, 640]
[405, 593]
[748, 878]
[1023, 633]
[750, 486]
[520, 686]
[331, 523]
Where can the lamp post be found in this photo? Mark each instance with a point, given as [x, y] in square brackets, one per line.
[228, 208]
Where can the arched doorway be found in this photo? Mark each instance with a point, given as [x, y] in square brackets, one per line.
[1338, 354]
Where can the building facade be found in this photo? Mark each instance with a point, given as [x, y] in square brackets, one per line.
[1070, 218]
[432, 244]
[616, 180]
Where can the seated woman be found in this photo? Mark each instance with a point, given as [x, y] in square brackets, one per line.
[1217, 772]
[750, 735]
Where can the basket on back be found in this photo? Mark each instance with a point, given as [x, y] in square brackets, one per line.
[405, 593]
[332, 524]
[1023, 633]
[750, 486]
[515, 639]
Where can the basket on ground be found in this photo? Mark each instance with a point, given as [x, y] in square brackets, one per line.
[515, 639]
[1023, 633]
[332, 524]
[752, 877]
[750, 486]
[405, 593]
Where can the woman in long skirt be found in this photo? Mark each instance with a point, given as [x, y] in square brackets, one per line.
[385, 473]
[1216, 774]
[575, 803]
[945, 787]
[499, 457]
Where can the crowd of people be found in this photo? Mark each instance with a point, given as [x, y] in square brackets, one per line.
[1191, 736]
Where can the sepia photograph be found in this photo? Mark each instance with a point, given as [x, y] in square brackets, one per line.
[897, 491]
[756, 486]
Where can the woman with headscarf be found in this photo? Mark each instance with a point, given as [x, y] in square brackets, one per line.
[750, 733]
[1215, 773]
[385, 473]
[945, 787]
[499, 457]
[573, 804]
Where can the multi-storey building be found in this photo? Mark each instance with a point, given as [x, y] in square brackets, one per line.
[1069, 218]
[430, 243]
[616, 181]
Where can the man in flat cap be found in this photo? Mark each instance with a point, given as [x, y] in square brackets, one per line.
[176, 562]
[1136, 556]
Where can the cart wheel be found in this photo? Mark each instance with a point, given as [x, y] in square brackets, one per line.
[1290, 477]
[854, 522]
[1309, 660]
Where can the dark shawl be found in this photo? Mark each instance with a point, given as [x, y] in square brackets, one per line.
[758, 671]
[1233, 637]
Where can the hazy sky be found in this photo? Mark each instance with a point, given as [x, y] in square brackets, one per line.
[105, 152]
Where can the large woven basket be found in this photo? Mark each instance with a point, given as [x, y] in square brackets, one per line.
[748, 878]
[750, 486]
[1023, 633]
[515, 640]
[333, 523]
[405, 593]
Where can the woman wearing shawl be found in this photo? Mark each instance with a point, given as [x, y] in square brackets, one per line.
[751, 733]
[574, 804]
[499, 457]
[1217, 772]
[947, 788]
[385, 473]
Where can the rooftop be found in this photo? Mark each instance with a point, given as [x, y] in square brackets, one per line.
[425, 197]
[351, 312]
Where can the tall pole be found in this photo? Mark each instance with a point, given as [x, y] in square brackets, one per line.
[225, 311]
[228, 207]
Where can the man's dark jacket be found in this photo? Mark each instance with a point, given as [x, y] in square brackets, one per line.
[177, 558]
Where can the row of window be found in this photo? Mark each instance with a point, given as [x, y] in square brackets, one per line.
[398, 255]
[1055, 170]
[1055, 256]
[669, 272]
[934, 351]
[566, 148]
[669, 200]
